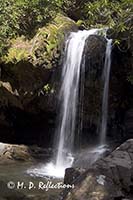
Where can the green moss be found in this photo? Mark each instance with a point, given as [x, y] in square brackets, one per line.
[15, 55]
[19, 50]
[44, 48]
[49, 40]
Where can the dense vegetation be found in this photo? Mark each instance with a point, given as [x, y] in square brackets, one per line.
[23, 17]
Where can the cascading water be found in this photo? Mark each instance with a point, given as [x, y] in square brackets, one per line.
[69, 93]
[73, 68]
[106, 76]
[69, 96]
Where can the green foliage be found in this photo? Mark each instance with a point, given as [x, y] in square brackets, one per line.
[116, 42]
[44, 48]
[48, 89]
[19, 50]
[48, 39]
[22, 17]
[16, 56]
[108, 13]
[111, 13]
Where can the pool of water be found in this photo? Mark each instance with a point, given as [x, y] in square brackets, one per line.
[37, 180]
[16, 183]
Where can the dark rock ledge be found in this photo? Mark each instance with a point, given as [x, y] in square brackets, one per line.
[110, 178]
[11, 153]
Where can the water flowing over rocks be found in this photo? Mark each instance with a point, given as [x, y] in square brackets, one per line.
[29, 88]
[110, 179]
[73, 71]
[34, 95]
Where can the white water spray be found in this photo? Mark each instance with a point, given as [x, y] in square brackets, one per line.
[106, 76]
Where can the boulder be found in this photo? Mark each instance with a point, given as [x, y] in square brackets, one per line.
[11, 153]
[119, 166]
[109, 178]
[72, 173]
[94, 54]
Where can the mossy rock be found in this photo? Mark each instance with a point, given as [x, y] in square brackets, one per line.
[44, 48]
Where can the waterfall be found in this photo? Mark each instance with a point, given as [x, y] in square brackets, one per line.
[72, 80]
[106, 76]
[69, 96]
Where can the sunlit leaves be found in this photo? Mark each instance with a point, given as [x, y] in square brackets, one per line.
[22, 17]
[108, 13]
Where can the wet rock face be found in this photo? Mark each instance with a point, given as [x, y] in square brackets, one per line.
[111, 177]
[71, 174]
[120, 96]
[94, 54]
[118, 166]
[95, 186]
[120, 90]
[129, 122]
